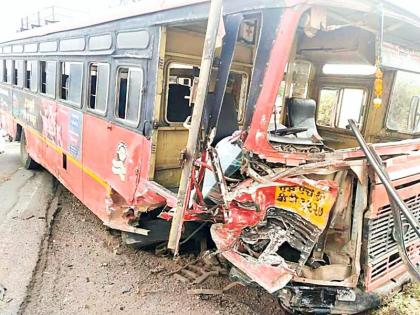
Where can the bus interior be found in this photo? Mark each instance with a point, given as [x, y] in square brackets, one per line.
[330, 78]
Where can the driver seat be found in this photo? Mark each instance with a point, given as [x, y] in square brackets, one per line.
[301, 113]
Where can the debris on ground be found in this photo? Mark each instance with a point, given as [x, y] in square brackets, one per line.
[406, 302]
[136, 281]
[213, 291]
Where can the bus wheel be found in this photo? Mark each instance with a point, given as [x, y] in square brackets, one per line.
[27, 161]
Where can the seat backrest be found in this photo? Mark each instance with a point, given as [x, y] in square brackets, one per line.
[301, 113]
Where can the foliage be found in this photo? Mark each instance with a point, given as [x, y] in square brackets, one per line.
[326, 106]
[406, 86]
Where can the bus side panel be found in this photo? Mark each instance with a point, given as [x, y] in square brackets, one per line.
[6, 120]
[7, 123]
[69, 129]
[52, 136]
[27, 112]
[125, 153]
[96, 164]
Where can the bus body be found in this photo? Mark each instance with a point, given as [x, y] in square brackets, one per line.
[291, 201]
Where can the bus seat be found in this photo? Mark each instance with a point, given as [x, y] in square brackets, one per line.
[301, 113]
[178, 102]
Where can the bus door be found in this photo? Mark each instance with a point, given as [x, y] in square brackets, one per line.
[126, 144]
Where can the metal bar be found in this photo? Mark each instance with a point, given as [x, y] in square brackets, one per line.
[194, 132]
[392, 193]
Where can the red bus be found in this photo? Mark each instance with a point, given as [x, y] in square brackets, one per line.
[168, 119]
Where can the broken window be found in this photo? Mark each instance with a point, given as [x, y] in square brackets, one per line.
[98, 86]
[404, 108]
[48, 69]
[130, 92]
[337, 105]
[71, 82]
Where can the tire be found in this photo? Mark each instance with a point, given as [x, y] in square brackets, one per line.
[26, 159]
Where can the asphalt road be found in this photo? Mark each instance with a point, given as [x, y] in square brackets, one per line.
[25, 197]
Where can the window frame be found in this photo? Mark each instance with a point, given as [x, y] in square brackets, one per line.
[52, 96]
[32, 87]
[241, 109]
[87, 98]
[9, 74]
[126, 122]
[340, 88]
[20, 73]
[388, 107]
[59, 96]
[2, 67]
[15, 73]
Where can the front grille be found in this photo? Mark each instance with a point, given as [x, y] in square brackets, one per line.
[384, 261]
[381, 240]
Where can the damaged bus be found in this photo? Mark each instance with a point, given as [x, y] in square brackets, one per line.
[248, 119]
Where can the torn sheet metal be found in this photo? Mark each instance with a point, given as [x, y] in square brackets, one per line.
[270, 230]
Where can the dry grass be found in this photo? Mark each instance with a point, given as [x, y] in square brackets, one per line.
[406, 302]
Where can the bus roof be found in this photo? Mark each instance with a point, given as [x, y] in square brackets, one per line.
[390, 9]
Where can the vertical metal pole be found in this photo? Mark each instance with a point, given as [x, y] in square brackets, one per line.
[194, 132]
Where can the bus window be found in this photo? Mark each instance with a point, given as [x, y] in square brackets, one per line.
[8, 74]
[301, 76]
[16, 73]
[129, 91]
[48, 69]
[181, 77]
[2, 70]
[404, 109]
[237, 87]
[31, 75]
[19, 70]
[181, 96]
[98, 86]
[338, 105]
[71, 82]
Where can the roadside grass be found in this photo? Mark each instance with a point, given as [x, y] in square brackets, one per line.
[406, 302]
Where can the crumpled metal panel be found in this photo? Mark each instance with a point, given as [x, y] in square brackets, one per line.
[291, 210]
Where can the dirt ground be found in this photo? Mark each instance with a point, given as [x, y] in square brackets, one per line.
[86, 270]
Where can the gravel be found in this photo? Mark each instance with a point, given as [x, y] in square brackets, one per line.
[86, 270]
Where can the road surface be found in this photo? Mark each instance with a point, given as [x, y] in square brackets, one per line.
[25, 197]
[56, 257]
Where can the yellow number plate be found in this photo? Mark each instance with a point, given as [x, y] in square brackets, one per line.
[309, 202]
